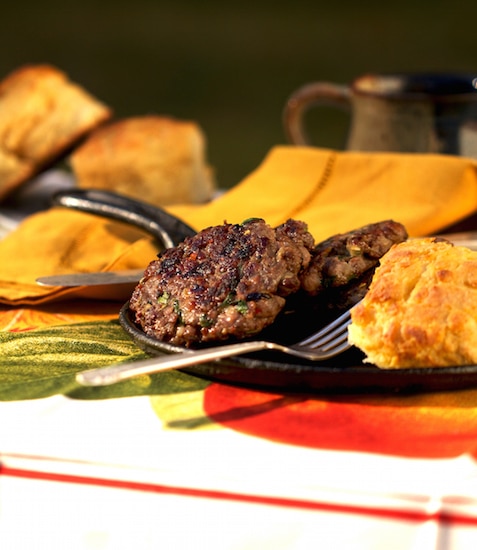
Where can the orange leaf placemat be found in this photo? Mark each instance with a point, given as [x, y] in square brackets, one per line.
[42, 349]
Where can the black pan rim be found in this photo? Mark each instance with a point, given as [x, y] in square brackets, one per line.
[311, 377]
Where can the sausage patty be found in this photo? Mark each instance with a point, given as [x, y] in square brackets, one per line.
[348, 257]
[228, 281]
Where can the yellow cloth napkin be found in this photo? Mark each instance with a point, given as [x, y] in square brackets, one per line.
[332, 191]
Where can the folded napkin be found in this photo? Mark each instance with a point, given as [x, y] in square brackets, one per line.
[332, 191]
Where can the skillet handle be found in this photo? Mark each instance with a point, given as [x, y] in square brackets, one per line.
[166, 228]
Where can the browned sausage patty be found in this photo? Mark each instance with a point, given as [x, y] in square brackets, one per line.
[231, 280]
[346, 257]
[227, 281]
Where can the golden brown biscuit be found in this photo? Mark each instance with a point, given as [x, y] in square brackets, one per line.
[156, 159]
[421, 307]
[42, 114]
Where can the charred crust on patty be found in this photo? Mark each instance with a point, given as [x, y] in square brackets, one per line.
[347, 257]
[232, 281]
[228, 281]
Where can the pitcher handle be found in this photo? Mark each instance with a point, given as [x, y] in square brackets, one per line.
[316, 93]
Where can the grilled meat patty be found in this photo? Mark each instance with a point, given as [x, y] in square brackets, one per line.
[227, 281]
[350, 257]
[233, 280]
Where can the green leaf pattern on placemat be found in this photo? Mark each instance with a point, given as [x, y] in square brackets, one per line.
[43, 362]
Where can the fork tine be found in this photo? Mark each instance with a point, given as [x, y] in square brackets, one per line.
[336, 350]
[340, 333]
[339, 325]
[330, 344]
[328, 348]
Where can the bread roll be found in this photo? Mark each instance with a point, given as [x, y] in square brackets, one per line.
[156, 159]
[42, 114]
[421, 307]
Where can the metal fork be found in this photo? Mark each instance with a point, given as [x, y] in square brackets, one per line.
[324, 344]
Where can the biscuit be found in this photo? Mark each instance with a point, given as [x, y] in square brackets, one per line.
[42, 115]
[160, 160]
[421, 307]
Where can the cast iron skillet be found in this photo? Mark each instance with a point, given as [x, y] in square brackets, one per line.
[264, 370]
[165, 228]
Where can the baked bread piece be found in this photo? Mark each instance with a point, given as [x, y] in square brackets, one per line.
[421, 307]
[156, 159]
[42, 114]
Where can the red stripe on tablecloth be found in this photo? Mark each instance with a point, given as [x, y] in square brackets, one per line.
[383, 513]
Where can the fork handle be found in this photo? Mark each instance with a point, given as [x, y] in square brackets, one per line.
[105, 376]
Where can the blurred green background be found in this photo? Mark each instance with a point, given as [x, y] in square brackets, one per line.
[231, 66]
